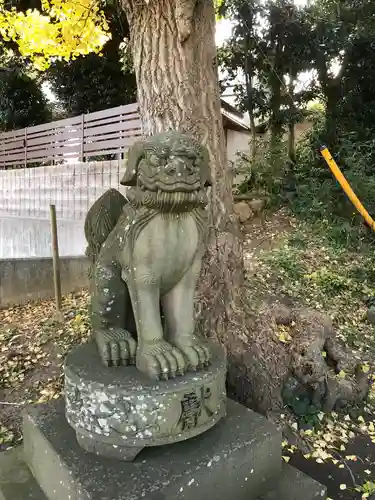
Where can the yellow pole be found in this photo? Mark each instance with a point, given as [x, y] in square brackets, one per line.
[346, 186]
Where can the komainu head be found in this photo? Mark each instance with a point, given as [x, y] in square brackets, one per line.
[169, 162]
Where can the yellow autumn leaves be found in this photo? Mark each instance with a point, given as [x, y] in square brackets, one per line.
[329, 444]
[64, 29]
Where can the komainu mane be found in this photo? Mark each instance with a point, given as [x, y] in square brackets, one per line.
[146, 251]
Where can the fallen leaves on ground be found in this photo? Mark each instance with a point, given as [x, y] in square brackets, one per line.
[329, 444]
[308, 269]
[33, 344]
[314, 272]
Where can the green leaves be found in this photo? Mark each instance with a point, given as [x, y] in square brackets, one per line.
[22, 102]
[270, 42]
[219, 9]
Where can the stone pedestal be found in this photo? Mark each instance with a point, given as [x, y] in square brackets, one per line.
[118, 411]
[239, 458]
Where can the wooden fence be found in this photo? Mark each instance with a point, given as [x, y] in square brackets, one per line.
[99, 134]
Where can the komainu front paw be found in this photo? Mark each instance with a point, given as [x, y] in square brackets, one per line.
[116, 347]
[196, 351]
[160, 360]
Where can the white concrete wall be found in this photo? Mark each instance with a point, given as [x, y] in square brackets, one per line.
[25, 197]
[237, 141]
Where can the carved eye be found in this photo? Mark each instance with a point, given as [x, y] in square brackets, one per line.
[154, 160]
[190, 164]
[157, 160]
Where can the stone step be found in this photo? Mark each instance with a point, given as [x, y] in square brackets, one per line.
[295, 485]
[16, 480]
[238, 458]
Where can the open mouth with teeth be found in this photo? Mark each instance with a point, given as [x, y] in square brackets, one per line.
[180, 187]
[170, 185]
[168, 201]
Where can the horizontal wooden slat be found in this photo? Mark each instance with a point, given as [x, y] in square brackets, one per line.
[119, 126]
[59, 131]
[47, 148]
[106, 137]
[116, 135]
[119, 110]
[39, 155]
[20, 154]
[77, 120]
[9, 143]
[65, 138]
[104, 152]
[12, 133]
[115, 143]
[105, 133]
[13, 152]
[12, 145]
[10, 154]
[53, 151]
[111, 119]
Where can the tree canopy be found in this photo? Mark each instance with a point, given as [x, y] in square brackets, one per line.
[22, 102]
[274, 42]
[97, 81]
[63, 29]
[81, 83]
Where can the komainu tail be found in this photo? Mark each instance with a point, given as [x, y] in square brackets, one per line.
[100, 220]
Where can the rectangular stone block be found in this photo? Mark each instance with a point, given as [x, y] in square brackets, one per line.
[295, 485]
[16, 481]
[239, 458]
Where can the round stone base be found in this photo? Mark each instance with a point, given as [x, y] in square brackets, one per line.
[117, 411]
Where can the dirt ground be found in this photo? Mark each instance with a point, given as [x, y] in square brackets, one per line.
[283, 259]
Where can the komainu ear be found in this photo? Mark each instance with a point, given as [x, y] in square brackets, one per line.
[204, 163]
[135, 155]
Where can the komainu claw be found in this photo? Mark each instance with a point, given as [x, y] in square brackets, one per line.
[114, 346]
[159, 359]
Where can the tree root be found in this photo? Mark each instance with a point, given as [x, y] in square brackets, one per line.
[322, 363]
[311, 371]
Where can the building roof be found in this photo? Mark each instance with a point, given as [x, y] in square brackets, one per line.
[232, 117]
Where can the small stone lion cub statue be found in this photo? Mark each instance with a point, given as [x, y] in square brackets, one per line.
[146, 250]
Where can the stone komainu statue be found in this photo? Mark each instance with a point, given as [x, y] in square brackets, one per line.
[146, 251]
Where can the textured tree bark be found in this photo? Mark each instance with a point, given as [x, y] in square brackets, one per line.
[175, 64]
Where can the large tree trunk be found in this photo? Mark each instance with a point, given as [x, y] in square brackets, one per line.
[332, 95]
[175, 64]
